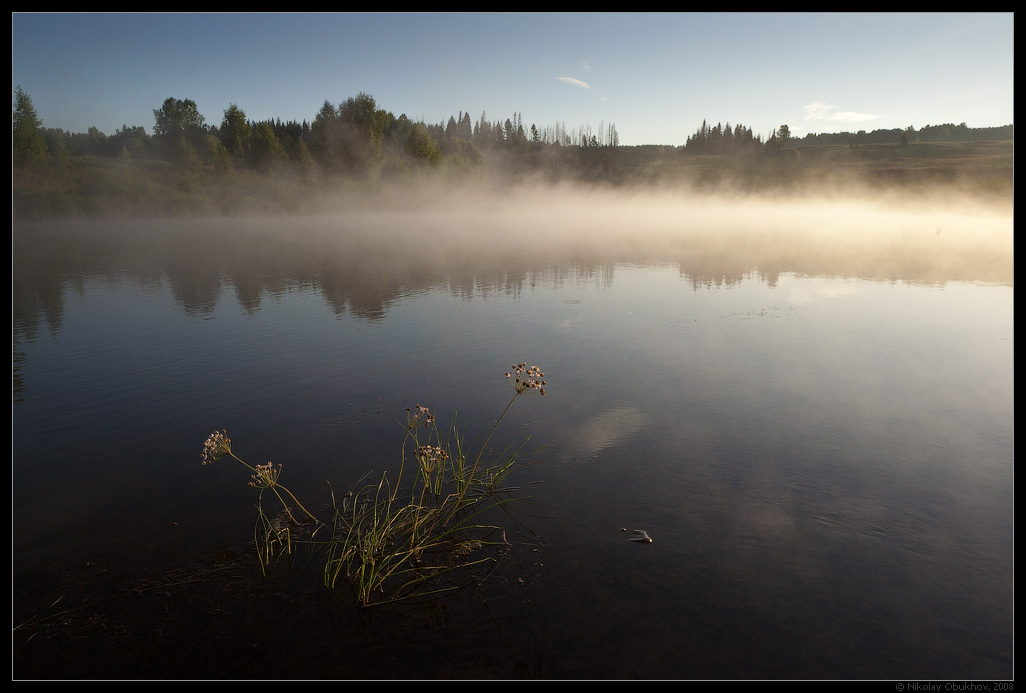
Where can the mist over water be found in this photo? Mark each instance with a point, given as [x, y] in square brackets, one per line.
[807, 402]
[713, 239]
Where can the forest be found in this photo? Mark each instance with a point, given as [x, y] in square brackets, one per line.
[189, 165]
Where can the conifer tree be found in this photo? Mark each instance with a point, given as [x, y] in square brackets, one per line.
[28, 143]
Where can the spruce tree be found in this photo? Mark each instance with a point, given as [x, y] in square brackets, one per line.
[27, 142]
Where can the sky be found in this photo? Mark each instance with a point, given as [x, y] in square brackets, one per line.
[654, 76]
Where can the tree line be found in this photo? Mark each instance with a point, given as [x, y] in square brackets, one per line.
[948, 132]
[720, 139]
[350, 137]
[356, 136]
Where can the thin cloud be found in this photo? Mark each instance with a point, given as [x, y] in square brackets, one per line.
[821, 111]
[586, 67]
[816, 111]
[574, 81]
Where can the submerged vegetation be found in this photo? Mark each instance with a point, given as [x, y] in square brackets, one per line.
[188, 166]
[395, 538]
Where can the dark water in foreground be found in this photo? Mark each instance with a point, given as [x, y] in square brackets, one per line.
[810, 413]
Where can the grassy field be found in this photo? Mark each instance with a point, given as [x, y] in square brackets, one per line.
[979, 171]
[93, 187]
[981, 167]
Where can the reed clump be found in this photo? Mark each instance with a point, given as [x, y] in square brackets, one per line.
[395, 538]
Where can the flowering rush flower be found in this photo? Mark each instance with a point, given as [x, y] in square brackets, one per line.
[413, 416]
[266, 476]
[432, 454]
[216, 446]
[526, 378]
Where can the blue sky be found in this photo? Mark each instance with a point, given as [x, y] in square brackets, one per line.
[655, 76]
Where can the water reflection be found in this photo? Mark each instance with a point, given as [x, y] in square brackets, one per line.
[608, 428]
[363, 264]
[810, 410]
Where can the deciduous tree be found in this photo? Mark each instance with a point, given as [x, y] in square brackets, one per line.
[179, 129]
[177, 117]
[783, 136]
[266, 151]
[235, 132]
[422, 147]
[362, 131]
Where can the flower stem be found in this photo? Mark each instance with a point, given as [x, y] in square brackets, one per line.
[477, 461]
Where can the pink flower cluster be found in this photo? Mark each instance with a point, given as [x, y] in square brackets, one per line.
[524, 378]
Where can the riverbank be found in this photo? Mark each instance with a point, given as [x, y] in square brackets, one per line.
[980, 173]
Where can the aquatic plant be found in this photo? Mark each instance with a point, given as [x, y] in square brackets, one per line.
[389, 548]
[265, 476]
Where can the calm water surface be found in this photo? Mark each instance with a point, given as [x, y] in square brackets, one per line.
[811, 413]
